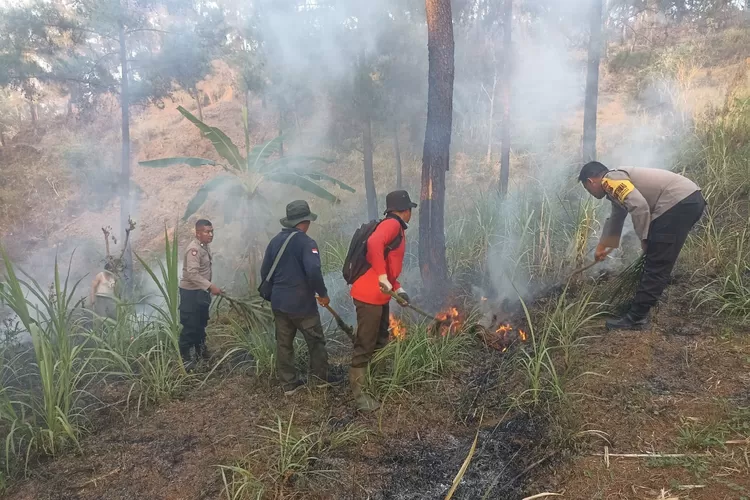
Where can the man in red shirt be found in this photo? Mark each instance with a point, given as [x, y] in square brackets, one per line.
[386, 247]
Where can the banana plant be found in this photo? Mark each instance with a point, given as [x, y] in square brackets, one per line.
[244, 175]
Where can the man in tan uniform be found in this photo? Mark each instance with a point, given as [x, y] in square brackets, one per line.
[195, 294]
[664, 207]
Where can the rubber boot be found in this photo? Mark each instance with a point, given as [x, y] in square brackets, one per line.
[187, 358]
[628, 322]
[362, 401]
[203, 352]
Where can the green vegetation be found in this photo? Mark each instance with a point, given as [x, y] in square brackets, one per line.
[246, 174]
[289, 456]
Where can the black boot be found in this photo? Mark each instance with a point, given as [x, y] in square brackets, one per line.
[188, 360]
[203, 352]
[628, 322]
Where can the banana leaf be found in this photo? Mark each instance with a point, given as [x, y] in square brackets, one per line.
[200, 197]
[305, 184]
[320, 176]
[177, 160]
[223, 144]
[264, 151]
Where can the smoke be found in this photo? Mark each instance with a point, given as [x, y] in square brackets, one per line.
[311, 55]
[547, 84]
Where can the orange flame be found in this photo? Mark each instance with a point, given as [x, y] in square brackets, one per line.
[503, 337]
[398, 331]
[450, 321]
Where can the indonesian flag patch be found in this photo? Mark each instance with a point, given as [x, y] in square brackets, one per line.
[315, 251]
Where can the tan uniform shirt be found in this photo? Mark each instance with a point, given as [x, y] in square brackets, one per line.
[644, 193]
[196, 267]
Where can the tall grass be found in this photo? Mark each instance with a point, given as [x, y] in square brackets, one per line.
[729, 293]
[469, 236]
[538, 232]
[553, 340]
[567, 319]
[253, 349]
[41, 403]
[157, 376]
[168, 284]
[541, 374]
[288, 455]
[418, 359]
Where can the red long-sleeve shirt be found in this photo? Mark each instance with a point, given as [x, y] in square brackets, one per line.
[367, 288]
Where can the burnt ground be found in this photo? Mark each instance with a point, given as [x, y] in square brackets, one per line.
[680, 388]
[413, 449]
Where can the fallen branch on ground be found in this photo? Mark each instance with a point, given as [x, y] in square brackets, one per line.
[543, 495]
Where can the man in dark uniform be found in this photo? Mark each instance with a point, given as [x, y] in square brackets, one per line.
[295, 280]
[664, 207]
[195, 294]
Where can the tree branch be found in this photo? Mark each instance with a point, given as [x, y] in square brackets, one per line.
[149, 29]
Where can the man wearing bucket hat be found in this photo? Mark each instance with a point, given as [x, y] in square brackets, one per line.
[291, 275]
[386, 247]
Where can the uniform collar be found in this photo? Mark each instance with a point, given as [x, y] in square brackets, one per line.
[201, 244]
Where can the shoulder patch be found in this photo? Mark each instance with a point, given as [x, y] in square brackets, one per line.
[194, 252]
[617, 189]
[315, 251]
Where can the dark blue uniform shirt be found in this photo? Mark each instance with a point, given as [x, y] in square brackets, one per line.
[297, 277]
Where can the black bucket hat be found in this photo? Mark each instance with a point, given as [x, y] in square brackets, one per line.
[398, 201]
[296, 212]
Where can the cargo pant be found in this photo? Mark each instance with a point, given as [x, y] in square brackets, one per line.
[105, 306]
[287, 326]
[194, 305]
[372, 332]
[666, 237]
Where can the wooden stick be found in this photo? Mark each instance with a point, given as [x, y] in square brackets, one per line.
[582, 269]
[412, 307]
[115, 471]
[348, 330]
[650, 455]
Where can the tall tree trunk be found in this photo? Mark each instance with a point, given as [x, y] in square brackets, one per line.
[370, 192]
[507, 71]
[437, 142]
[125, 163]
[281, 131]
[397, 152]
[491, 121]
[33, 113]
[364, 100]
[592, 81]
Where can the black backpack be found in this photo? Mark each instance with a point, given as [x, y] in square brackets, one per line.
[355, 263]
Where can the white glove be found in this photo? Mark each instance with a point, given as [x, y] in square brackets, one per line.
[402, 295]
[385, 285]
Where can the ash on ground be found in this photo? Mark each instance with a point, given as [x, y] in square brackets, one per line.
[421, 469]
